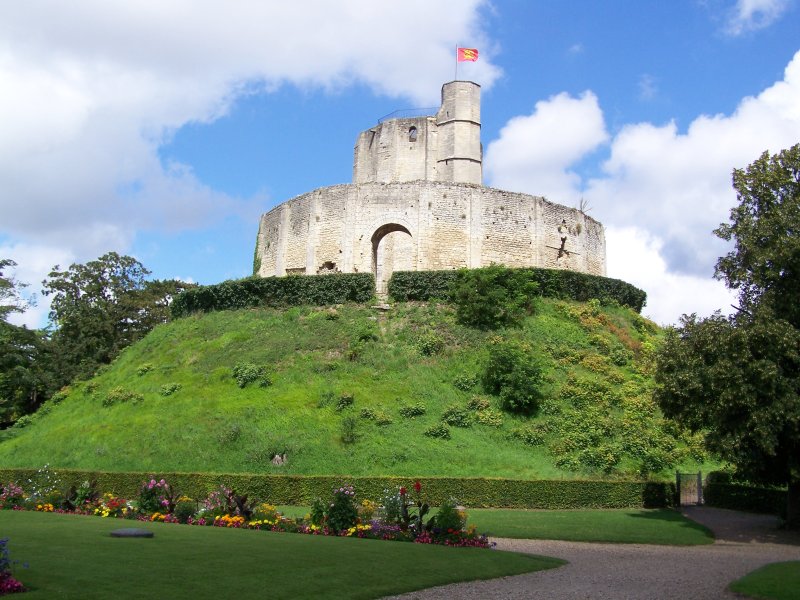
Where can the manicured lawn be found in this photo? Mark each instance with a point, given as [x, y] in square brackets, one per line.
[74, 557]
[631, 526]
[778, 581]
[624, 526]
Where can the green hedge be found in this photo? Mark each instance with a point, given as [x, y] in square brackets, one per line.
[553, 283]
[301, 490]
[744, 497]
[291, 290]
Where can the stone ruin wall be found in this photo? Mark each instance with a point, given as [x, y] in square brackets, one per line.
[424, 225]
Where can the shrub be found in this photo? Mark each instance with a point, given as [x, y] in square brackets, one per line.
[478, 403]
[348, 433]
[145, 368]
[553, 283]
[292, 290]
[184, 510]
[465, 382]
[344, 401]
[457, 416]
[430, 343]
[513, 374]
[120, 395]
[367, 413]
[490, 417]
[449, 518]
[342, 513]
[532, 435]
[493, 297]
[383, 419]
[246, 373]
[409, 411]
[440, 431]
[169, 388]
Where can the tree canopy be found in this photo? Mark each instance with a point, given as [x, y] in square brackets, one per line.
[738, 378]
[100, 307]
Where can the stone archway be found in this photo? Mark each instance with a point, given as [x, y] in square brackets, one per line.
[393, 250]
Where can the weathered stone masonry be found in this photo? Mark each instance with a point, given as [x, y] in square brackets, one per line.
[417, 204]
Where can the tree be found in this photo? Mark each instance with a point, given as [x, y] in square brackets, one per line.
[493, 297]
[100, 307]
[24, 383]
[738, 378]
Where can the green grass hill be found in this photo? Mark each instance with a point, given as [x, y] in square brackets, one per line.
[353, 390]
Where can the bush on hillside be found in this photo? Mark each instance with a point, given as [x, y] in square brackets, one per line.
[553, 283]
[292, 290]
[493, 297]
[514, 375]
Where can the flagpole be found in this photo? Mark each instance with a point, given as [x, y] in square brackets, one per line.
[456, 77]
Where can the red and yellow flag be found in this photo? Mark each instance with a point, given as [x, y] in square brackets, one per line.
[467, 54]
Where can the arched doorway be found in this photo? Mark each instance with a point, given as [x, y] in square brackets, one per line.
[393, 250]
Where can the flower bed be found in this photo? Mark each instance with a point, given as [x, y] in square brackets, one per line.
[399, 514]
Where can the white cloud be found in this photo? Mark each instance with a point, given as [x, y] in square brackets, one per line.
[662, 191]
[647, 87]
[635, 256]
[534, 152]
[678, 185]
[752, 15]
[90, 89]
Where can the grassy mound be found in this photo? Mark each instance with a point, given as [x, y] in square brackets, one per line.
[354, 391]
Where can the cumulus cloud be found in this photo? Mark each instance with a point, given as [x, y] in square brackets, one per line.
[91, 89]
[661, 192]
[751, 15]
[635, 256]
[678, 185]
[534, 153]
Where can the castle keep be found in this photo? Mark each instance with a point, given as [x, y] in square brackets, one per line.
[417, 203]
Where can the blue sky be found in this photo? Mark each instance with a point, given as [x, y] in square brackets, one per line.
[163, 130]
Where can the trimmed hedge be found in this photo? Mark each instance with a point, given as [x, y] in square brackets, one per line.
[301, 490]
[553, 283]
[292, 290]
[745, 497]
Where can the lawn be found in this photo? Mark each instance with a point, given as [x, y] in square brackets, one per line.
[623, 526]
[778, 581]
[629, 526]
[72, 556]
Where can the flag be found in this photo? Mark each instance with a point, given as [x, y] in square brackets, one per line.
[467, 54]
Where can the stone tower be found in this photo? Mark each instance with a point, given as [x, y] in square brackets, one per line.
[441, 147]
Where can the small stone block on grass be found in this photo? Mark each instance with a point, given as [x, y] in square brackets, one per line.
[132, 532]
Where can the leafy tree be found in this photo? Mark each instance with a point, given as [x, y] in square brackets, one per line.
[738, 377]
[24, 380]
[100, 307]
[493, 296]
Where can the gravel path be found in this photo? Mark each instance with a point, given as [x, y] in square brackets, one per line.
[744, 542]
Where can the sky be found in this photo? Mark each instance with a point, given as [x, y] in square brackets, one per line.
[163, 130]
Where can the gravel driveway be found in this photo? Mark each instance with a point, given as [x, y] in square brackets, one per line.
[743, 543]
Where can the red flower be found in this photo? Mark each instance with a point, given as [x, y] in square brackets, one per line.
[402, 491]
[417, 486]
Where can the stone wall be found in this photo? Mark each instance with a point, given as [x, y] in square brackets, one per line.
[424, 225]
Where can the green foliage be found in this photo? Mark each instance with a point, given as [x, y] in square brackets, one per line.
[489, 417]
[513, 374]
[430, 343]
[344, 401]
[465, 382]
[292, 290]
[439, 431]
[532, 435]
[120, 395]
[342, 512]
[184, 510]
[101, 307]
[409, 411]
[478, 403]
[144, 369]
[736, 496]
[457, 416]
[449, 517]
[169, 388]
[246, 373]
[493, 297]
[553, 283]
[474, 492]
[349, 433]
